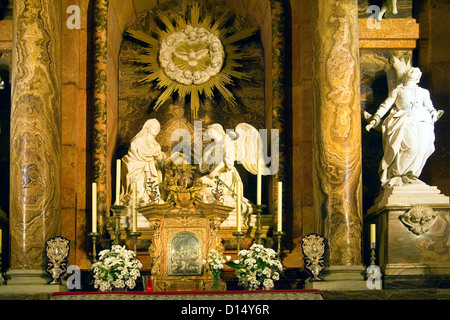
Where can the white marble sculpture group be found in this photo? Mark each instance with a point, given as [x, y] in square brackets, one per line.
[145, 162]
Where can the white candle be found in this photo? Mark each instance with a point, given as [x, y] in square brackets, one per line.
[372, 235]
[118, 168]
[134, 206]
[258, 182]
[280, 205]
[238, 205]
[94, 207]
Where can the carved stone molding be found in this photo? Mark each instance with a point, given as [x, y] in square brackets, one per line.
[397, 33]
[419, 219]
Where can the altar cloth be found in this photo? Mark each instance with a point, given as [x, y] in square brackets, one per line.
[191, 295]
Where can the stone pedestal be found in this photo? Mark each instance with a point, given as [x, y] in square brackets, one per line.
[340, 278]
[29, 282]
[413, 223]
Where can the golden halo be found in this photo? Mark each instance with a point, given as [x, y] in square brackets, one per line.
[192, 56]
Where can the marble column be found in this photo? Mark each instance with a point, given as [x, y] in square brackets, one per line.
[337, 136]
[279, 112]
[100, 107]
[35, 183]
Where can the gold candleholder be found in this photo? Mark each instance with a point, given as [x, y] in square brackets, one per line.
[373, 272]
[2, 279]
[372, 254]
[279, 235]
[258, 233]
[117, 211]
[94, 236]
[134, 236]
[238, 235]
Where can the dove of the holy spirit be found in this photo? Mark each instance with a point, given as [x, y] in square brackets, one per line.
[191, 57]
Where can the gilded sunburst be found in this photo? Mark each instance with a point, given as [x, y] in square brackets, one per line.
[192, 56]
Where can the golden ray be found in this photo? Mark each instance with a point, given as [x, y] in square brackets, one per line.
[165, 95]
[216, 28]
[141, 36]
[240, 35]
[195, 15]
[166, 21]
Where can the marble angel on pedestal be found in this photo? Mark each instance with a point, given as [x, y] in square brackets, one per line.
[218, 161]
[407, 132]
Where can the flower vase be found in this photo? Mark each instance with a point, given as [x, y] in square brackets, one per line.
[217, 284]
[119, 289]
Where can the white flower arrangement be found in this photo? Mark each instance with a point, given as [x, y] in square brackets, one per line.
[216, 262]
[257, 267]
[116, 268]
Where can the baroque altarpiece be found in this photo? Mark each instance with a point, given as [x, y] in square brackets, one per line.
[163, 80]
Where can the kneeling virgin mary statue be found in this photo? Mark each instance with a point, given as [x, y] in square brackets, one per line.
[143, 164]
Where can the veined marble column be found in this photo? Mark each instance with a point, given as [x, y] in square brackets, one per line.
[337, 134]
[35, 204]
[278, 95]
[100, 104]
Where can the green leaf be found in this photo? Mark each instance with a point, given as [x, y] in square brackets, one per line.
[234, 265]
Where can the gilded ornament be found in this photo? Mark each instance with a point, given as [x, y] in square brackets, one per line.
[192, 56]
[57, 251]
[313, 247]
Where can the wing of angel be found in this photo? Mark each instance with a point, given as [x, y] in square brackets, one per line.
[200, 54]
[182, 55]
[248, 147]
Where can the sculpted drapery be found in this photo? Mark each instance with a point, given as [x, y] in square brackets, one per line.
[143, 162]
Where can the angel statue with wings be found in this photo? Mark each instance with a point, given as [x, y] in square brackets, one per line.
[218, 160]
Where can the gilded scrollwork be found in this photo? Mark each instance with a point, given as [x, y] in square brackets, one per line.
[313, 247]
[57, 252]
[155, 247]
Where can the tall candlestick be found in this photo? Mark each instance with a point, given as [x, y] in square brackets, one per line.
[280, 205]
[94, 207]
[258, 183]
[134, 206]
[1, 243]
[118, 168]
[238, 205]
[372, 235]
